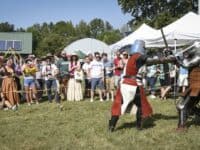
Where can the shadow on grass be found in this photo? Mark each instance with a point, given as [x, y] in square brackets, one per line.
[149, 122]
[164, 117]
[195, 120]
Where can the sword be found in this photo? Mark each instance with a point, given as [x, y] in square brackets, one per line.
[163, 36]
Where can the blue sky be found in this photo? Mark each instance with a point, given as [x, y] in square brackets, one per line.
[24, 13]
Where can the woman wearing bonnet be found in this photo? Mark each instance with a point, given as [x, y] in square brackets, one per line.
[74, 92]
[9, 86]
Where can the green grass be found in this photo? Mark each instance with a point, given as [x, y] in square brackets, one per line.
[83, 125]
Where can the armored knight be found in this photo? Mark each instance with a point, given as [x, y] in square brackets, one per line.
[190, 58]
[131, 90]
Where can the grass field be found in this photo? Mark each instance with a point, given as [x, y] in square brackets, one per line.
[83, 125]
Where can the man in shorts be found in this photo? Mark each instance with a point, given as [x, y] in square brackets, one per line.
[183, 78]
[97, 76]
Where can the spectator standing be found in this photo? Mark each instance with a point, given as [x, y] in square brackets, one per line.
[9, 86]
[79, 77]
[109, 79]
[170, 79]
[18, 74]
[29, 69]
[85, 68]
[74, 92]
[97, 76]
[172, 73]
[118, 67]
[90, 56]
[39, 80]
[183, 78]
[164, 78]
[151, 79]
[124, 58]
[50, 71]
[4, 104]
[63, 66]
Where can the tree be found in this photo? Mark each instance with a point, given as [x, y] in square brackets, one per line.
[110, 37]
[50, 44]
[54, 37]
[6, 27]
[82, 29]
[20, 29]
[108, 26]
[45, 29]
[37, 35]
[96, 27]
[153, 11]
[64, 28]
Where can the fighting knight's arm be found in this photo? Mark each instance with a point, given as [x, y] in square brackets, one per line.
[191, 63]
[161, 60]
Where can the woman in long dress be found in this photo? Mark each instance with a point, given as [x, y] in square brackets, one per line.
[9, 86]
[74, 92]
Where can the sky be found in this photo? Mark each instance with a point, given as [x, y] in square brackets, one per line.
[25, 13]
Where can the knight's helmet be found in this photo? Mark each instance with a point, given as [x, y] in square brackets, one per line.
[138, 47]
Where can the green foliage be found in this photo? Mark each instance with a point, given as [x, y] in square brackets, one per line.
[37, 36]
[96, 27]
[83, 29]
[84, 125]
[110, 37]
[157, 13]
[50, 44]
[6, 27]
[64, 28]
[54, 37]
[50, 37]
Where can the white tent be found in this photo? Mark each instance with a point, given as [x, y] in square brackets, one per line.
[87, 45]
[181, 32]
[144, 32]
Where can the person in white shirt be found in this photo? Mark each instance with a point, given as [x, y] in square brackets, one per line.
[97, 76]
[50, 71]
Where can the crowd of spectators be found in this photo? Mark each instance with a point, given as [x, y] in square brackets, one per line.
[67, 77]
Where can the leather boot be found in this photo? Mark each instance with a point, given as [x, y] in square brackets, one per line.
[112, 123]
[182, 121]
[139, 119]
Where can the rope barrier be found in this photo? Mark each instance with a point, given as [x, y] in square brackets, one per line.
[44, 90]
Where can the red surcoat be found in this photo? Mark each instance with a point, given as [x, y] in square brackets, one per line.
[131, 70]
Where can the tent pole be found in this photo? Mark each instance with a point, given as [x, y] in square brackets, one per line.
[175, 45]
[199, 7]
[175, 78]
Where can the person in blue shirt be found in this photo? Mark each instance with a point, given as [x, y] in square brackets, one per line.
[109, 79]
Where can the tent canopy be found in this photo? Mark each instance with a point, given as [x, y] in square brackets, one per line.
[181, 32]
[86, 46]
[143, 32]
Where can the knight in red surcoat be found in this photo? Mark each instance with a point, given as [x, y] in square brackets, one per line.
[131, 90]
